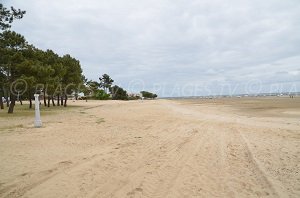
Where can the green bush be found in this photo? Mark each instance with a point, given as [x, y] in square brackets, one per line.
[118, 93]
[101, 95]
[147, 94]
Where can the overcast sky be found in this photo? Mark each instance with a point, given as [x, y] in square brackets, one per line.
[173, 47]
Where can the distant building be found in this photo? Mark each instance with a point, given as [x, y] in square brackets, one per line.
[134, 95]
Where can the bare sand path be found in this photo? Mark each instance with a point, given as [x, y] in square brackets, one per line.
[151, 149]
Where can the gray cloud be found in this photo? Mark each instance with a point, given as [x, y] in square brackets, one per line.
[173, 44]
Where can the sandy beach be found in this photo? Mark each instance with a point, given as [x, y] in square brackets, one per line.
[246, 147]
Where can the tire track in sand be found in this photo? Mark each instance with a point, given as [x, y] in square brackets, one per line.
[156, 172]
[100, 165]
[273, 184]
[203, 175]
[250, 179]
[166, 167]
[241, 175]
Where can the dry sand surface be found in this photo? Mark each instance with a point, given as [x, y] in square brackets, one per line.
[162, 148]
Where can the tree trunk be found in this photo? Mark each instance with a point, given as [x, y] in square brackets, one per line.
[61, 100]
[30, 103]
[66, 98]
[48, 101]
[12, 103]
[76, 96]
[7, 101]
[45, 102]
[53, 103]
[5, 95]
[1, 102]
[30, 99]
[20, 99]
[58, 100]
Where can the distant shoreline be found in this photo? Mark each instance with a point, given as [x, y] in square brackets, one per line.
[283, 94]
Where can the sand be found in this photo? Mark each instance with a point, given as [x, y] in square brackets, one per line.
[162, 148]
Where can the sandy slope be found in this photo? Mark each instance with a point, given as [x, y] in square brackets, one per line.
[152, 149]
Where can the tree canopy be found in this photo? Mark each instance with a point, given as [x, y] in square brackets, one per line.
[39, 71]
[118, 93]
[147, 94]
[7, 16]
[105, 82]
[26, 70]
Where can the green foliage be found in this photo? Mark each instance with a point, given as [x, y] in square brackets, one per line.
[7, 16]
[100, 120]
[44, 71]
[93, 86]
[105, 82]
[41, 70]
[147, 94]
[101, 95]
[134, 97]
[11, 47]
[84, 88]
[118, 93]
[92, 89]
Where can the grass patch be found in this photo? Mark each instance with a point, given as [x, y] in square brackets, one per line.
[12, 127]
[24, 111]
[100, 120]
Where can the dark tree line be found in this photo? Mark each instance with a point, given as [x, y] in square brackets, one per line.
[26, 70]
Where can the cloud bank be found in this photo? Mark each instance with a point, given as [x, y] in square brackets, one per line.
[174, 47]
